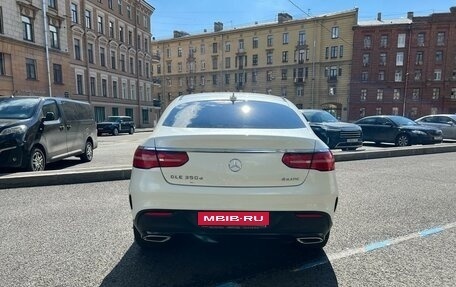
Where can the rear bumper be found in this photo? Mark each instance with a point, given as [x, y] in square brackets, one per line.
[282, 224]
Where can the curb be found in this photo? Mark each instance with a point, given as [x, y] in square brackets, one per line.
[46, 178]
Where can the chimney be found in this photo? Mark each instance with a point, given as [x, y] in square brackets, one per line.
[410, 15]
[283, 17]
[379, 16]
[218, 26]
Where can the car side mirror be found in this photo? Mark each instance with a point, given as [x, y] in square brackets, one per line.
[50, 116]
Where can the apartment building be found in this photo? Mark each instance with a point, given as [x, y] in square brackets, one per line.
[404, 66]
[92, 50]
[307, 61]
[33, 60]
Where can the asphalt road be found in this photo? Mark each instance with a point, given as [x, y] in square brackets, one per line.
[395, 226]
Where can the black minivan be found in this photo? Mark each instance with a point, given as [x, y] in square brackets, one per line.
[35, 131]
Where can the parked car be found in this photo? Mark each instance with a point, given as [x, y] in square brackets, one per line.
[116, 124]
[399, 130]
[334, 133]
[444, 122]
[234, 164]
[35, 131]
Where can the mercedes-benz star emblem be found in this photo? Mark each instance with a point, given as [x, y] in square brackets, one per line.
[235, 165]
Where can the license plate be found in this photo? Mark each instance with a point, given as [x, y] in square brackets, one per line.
[233, 218]
[352, 140]
[438, 138]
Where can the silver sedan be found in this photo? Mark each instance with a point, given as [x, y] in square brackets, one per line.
[444, 122]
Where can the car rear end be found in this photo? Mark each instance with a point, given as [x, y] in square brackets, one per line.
[219, 180]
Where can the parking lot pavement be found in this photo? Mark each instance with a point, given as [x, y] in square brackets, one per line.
[113, 158]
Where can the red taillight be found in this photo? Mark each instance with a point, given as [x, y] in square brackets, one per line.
[322, 161]
[147, 159]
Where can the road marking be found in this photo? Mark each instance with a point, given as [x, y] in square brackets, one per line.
[365, 249]
[375, 246]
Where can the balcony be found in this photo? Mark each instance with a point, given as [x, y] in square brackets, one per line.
[299, 80]
[240, 51]
[332, 79]
[156, 57]
[301, 45]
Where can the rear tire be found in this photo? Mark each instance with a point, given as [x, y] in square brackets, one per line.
[115, 132]
[37, 160]
[132, 130]
[402, 140]
[87, 156]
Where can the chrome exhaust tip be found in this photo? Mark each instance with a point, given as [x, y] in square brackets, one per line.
[156, 238]
[310, 240]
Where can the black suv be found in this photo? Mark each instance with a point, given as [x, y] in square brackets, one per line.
[115, 125]
[334, 133]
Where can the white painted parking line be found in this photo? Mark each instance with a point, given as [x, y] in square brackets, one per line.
[376, 245]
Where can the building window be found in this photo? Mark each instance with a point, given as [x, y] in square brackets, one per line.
[255, 60]
[93, 90]
[27, 28]
[54, 37]
[453, 94]
[130, 38]
[283, 92]
[439, 56]
[302, 38]
[214, 80]
[381, 75]
[334, 50]
[362, 112]
[100, 25]
[58, 76]
[104, 87]
[214, 63]
[74, 13]
[121, 34]
[367, 42]
[179, 52]
[110, 4]
[285, 38]
[341, 51]
[90, 52]
[203, 65]
[111, 29]
[334, 32]
[399, 58]
[88, 19]
[398, 75]
[214, 48]
[440, 38]
[435, 93]
[417, 76]
[227, 62]
[299, 91]
[363, 95]
[147, 71]
[437, 75]
[395, 111]
[382, 61]
[113, 60]
[269, 76]
[1, 20]
[77, 49]
[396, 94]
[285, 57]
[122, 62]
[240, 44]
[419, 58]
[102, 57]
[254, 76]
[52, 4]
[366, 60]
[420, 39]
[203, 49]
[383, 41]
[401, 40]
[415, 94]
[79, 84]
[378, 111]
[270, 41]
[115, 89]
[140, 68]
[269, 57]
[120, 6]
[284, 74]
[364, 76]
[132, 65]
[2, 64]
[129, 11]
[255, 42]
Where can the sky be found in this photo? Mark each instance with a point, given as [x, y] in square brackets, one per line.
[193, 16]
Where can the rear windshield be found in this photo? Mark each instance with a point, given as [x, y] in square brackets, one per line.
[240, 114]
[15, 108]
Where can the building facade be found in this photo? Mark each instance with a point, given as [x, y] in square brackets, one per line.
[92, 50]
[307, 61]
[404, 67]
